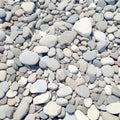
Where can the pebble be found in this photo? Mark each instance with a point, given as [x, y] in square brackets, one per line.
[67, 37]
[107, 61]
[40, 86]
[1, 94]
[28, 7]
[82, 91]
[60, 74]
[70, 108]
[64, 91]
[83, 27]
[101, 25]
[3, 75]
[113, 108]
[52, 86]
[73, 18]
[21, 111]
[29, 58]
[2, 13]
[87, 102]
[69, 117]
[67, 52]
[56, 109]
[2, 34]
[107, 71]
[80, 115]
[49, 41]
[43, 115]
[90, 55]
[116, 91]
[93, 113]
[108, 15]
[43, 98]
[22, 81]
[51, 52]
[108, 90]
[62, 101]
[73, 69]
[11, 93]
[30, 117]
[106, 116]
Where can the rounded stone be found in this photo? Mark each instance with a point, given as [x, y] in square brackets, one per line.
[29, 58]
[2, 13]
[70, 108]
[2, 35]
[108, 15]
[72, 69]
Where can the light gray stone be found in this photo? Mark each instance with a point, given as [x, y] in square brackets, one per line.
[2, 34]
[3, 74]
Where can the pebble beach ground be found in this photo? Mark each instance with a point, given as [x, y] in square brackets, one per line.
[59, 59]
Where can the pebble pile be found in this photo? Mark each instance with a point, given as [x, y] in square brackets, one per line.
[59, 59]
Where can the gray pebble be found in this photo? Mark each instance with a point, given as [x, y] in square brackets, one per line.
[70, 108]
[115, 91]
[2, 13]
[43, 115]
[73, 18]
[19, 40]
[98, 17]
[2, 35]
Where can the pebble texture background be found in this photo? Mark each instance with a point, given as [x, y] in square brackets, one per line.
[59, 59]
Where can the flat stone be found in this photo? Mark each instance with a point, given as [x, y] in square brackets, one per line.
[98, 17]
[80, 115]
[62, 101]
[43, 115]
[3, 66]
[70, 108]
[108, 116]
[30, 117]
[3, 75]
[56, 109]
[29, 58]
[11, 93]
[6, 111]
[116, 91]
[43, 98]
[4, 86]
[73, 69]
[88, 102]
[1, 94]
[113, 108]
[49, 40]
[32, 78]
[21, 110]
[107, 71]
[112, 99]
[2, 34]
[73, 18]
[101, 25]
[67, 37]
[108, 15]
[51, 52]
[52, 86]
[60, 74]
[22, 81]
[2, 13]
[82, 91]
[90, 55]
[69, 117]
[93, 113]
[64, 91]
[107, 61]
[108, 89]
[99, 36]
[28, 7]
[91, 69]
[40, 86]
[67, 52]
[83, 27]
[52, 64]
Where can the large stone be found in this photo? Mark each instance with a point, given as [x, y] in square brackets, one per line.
[67, 37]
[21, 110]
[3, 75]
[52, 109]
[29, 58]
[83, 27]
[49, 40]
[113, 108]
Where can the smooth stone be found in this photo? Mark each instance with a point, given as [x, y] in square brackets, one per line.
[108, 15]
[28, 7]
[11, 71]
[62, 5]
[52, 64]
[117, 17]
[99, 36]
[2, 13]
[107, 71]
[21, 110]
[19, 40]
[32, 17]
[22, 81]
[107, 61]
[116, 91]
[83, 27]
[74, 48]
[73, 18]
[69, 117]
[1, 94]
[113, 108]
[98, 17]
[67, 52]
[52, 52]
[43, 115]
[49, 41]
[56, 109]
[11, 93]
[92, 44]
[26, 32]
[93, 113]
[70, 108]
[112, 99]
[91, 69]
[3, 75]
[80, 115]
[90, 55]
[41, 49]
[64, 91]
[40, 86]
[87, 102]
[2, 35]
[73, 69]
[60, 74]
[101, 25]
[108, 116]
[4, 86]
[82, 91]
[32, 78]
[30, 117]
[67, 37]
[59, 53]
[62, 101]
[52, 86]
[6, 111]
[43, 98]
[29, 58]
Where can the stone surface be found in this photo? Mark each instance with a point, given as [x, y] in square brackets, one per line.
[70, 108]
[72, 69]
[2, 34]
[83, 27]
[41, 49]
[56, 109]
[40, 86]
[107, 61]
[82, 91]
[3, 75]
[62, 101]
[29, 58]
[80, 115]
